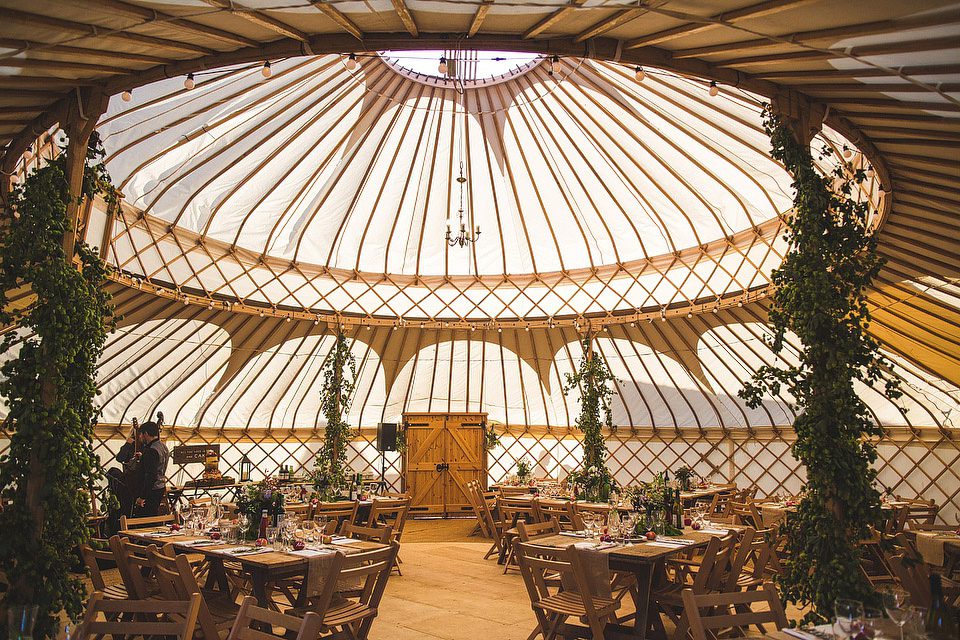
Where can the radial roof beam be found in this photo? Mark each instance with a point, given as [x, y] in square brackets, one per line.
[614, 21]
[341, 20]
[405, 17]
[552, 19]
[696, 24]
[27, 45]
[479, 17]
[911, 46]
[93, 31]
[851, 31]
[116, 7]
[259, 18]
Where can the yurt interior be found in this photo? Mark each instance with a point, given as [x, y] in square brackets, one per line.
[454, 319]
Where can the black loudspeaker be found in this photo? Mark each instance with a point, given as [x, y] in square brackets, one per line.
[387, 436]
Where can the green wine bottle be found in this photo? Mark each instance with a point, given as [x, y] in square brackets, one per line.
[941, 623]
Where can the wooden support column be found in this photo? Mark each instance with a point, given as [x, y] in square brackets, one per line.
[82, 117]
[804, 118]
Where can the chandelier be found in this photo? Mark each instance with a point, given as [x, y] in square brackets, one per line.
[464, 237]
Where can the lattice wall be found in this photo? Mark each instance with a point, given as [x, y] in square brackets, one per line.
[926, 465]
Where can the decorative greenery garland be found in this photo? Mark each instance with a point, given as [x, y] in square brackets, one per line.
[820, 296]
[592, 377]
[49, 388]
[339, 378]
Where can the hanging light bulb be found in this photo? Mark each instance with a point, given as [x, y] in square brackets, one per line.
[189, 83]
[442, 67]
[870, 172]
[126, 96]
[847, 152]
[640, 74]
[555, 64]
[266, 71]
[714, 89]
[28, 152]
[351, 62]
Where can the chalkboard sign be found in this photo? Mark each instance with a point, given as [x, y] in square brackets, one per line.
[187, 453]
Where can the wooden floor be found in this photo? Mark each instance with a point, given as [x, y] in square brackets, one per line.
[448, 591]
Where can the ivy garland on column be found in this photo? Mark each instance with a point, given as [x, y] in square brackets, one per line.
[593, 378]
[339, 379]
[820, 297]
[49, 386]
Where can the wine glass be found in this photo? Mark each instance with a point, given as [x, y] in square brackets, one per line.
[847, 611]
[869, 625]
[895, 603]
[321, 524]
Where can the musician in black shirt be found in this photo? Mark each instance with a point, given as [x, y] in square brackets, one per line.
[151, 482]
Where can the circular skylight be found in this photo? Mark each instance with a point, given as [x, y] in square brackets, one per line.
[463, 65]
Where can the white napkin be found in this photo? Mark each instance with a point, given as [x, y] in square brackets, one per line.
[347, 541]
[311, 552]
[712, 530]
[246, 551]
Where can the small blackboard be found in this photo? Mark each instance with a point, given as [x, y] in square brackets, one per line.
[187, 453]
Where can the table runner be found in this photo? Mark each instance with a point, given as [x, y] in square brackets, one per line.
[930, 545]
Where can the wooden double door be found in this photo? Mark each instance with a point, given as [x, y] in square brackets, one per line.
[444, 452]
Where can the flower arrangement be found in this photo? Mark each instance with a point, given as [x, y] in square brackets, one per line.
[684, 476]
[594, 483]
[524, 470]
[490, 439]
[328, 481]
[255, 497]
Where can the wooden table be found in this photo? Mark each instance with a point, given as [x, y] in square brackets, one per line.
[263, 568]
[705, 492]
[645, 560]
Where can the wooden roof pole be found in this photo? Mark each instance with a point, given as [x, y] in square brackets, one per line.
[805, 118]
[82, 117]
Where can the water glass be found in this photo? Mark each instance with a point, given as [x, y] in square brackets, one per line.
[20, 621]
[231, 533]
[273, 537]
[847, 611]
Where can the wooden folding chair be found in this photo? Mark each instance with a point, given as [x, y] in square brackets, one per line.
[507, 491]
[217, 612]
[512, 511]
[359, 532]
[336, 512]
[251, 622]
[919, 512]
[579, 508]
[134, 569]
[553, 605]
[128, 618]
[707, 577]
[488, 503]
[352, 613]
[707, 612]
[390, 512]
[549, 508]
[92, 558]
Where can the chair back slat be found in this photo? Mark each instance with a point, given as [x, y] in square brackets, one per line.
[139, 617]
[252, 623]
[176, 578]
[713, 611]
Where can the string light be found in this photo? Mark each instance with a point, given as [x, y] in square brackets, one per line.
[640, 74]
[714, 89]
[351, 62]
[28, 152]
[870, 172]
[126, 96]
[442, 67]
[847, 152]
[189, 83]
[266, 71]
[555, 64]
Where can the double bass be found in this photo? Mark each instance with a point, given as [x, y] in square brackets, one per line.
[128, 477]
